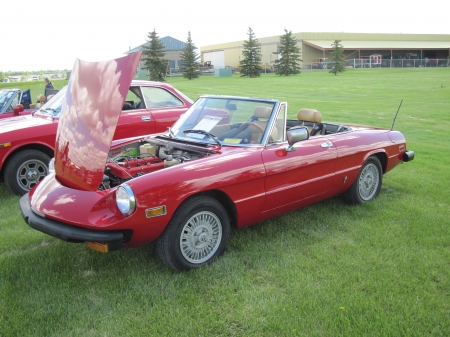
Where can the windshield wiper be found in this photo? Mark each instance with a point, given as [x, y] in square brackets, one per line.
[206, 133]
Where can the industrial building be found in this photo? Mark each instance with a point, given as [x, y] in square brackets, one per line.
[172, 50]
[360, 50]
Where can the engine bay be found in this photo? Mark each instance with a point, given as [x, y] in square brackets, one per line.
[149, 155]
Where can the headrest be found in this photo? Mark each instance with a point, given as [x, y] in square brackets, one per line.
[41, 98]
[50, 97]
[262, 112]
[309, 115]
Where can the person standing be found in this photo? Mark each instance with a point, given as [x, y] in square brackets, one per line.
[48, 84]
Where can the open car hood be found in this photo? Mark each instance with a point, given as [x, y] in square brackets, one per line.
[90, 111]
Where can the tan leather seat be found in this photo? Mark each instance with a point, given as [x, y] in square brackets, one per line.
[263, 114]
[40, 101]
[310, 116]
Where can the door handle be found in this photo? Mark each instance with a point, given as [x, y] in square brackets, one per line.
[327, 144]
[146, 118]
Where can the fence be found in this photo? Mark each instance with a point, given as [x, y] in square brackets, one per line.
[385, 63]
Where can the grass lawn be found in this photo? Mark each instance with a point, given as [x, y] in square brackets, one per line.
[379, 269]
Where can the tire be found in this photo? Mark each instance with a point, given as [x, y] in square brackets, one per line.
[24, 170]
[367, 185]
[197, 234]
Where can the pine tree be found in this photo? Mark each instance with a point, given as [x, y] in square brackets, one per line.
[251, 64]
[191, 63]
[337, 57]
[154, 58]
[288, 63]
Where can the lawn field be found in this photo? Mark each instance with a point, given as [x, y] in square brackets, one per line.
[379, 269]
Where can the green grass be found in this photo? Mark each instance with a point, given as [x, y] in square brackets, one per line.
[380, 269]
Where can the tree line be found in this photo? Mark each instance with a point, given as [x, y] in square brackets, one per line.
[287, 62]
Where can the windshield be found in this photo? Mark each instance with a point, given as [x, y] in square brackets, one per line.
[225, 120]
[53, 106]
[5, 96]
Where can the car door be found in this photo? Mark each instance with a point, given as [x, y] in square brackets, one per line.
[294, 177]
[135, 119]
[165, 106]
[148, 109]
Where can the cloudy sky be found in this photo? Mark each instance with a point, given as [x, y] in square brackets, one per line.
[50, 34]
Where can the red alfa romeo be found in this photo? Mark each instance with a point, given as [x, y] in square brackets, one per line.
[228, 161]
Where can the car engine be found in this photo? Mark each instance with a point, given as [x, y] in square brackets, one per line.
[140, 158]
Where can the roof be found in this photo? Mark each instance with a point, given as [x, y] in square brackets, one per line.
[349, 44]
[169, 44]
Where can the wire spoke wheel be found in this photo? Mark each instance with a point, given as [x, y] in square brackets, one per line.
[200, 237]
[368, 182]
[196, 235]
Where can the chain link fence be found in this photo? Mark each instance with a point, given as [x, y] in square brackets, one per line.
[384, 63]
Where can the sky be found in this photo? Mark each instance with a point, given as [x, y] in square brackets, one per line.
[51, 34]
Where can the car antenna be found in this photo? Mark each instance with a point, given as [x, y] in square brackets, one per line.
[392, 127]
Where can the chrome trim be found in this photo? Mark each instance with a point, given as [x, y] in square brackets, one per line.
[327, 144]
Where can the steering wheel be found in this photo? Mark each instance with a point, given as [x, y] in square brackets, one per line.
[242, 127]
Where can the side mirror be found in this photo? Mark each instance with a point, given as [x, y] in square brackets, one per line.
[296, 134]
[18, 108]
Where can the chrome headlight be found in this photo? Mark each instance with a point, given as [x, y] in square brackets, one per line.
[125, 200]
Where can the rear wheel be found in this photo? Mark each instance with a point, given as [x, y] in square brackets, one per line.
[24, 170]
[367, 185]
[197, 234]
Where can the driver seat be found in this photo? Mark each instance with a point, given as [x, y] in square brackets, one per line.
[261, 116]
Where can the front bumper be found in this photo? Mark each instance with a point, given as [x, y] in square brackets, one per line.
[69, 233]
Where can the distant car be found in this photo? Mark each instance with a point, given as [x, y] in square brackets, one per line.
[15, 79]
[6, 80]
[227, 162]
[55, 76]
[35, 78]
[26, 79]
[14, 102]
[30, 140]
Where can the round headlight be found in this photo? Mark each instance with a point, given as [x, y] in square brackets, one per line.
[125, 200]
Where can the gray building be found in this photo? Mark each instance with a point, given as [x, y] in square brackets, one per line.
[172, 49]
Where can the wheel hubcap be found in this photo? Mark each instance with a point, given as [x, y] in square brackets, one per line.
[200, 237]
[368, 182]
[30, 173]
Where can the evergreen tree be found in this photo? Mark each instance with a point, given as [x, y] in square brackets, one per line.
[288, 63]
[251, 64]
[337, 57]
[154, 58]
[190, 60]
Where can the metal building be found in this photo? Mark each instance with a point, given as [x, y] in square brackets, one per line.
[360, 50]
[172, 49]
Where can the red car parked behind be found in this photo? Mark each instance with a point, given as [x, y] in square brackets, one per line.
[27, 142]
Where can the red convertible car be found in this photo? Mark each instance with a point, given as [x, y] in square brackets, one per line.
[27, 142]
[228, 161]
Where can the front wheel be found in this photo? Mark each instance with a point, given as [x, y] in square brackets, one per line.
[24, 170]
[368, 183]
[197, 234]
